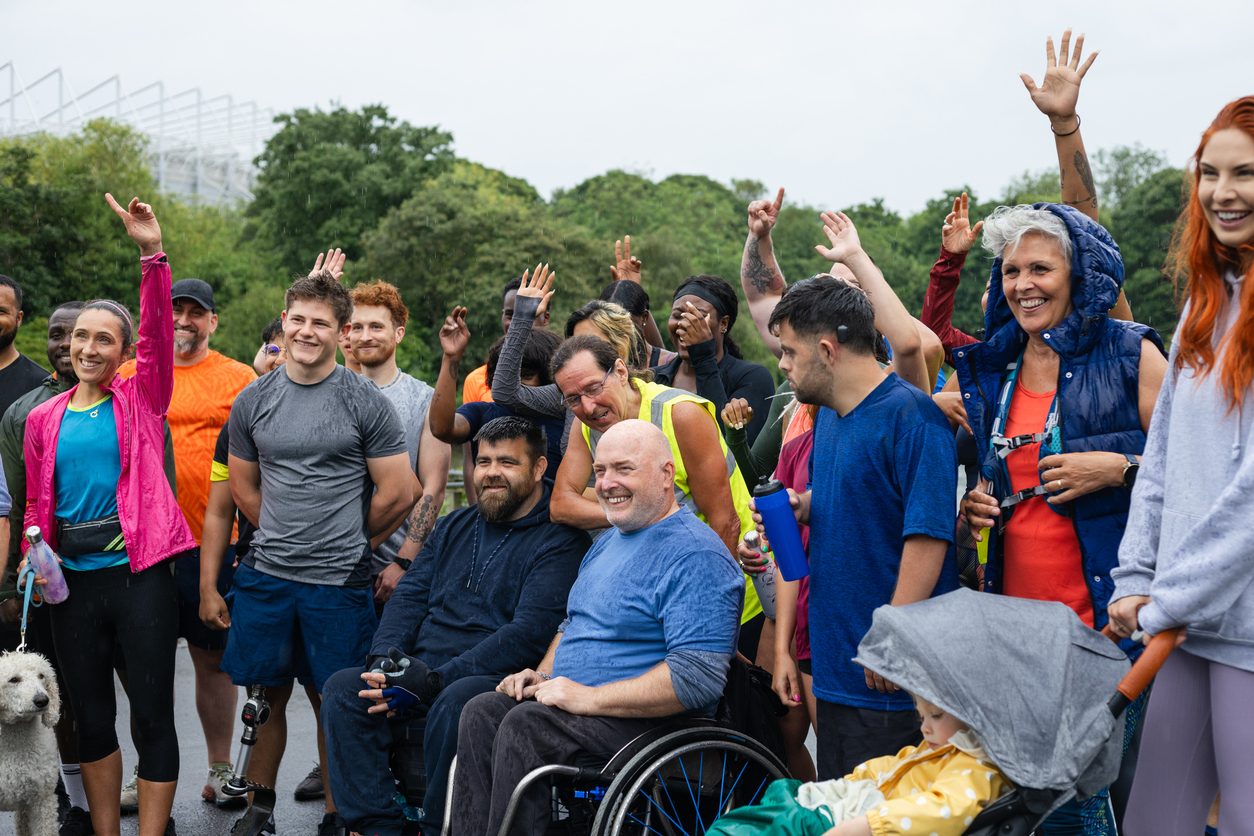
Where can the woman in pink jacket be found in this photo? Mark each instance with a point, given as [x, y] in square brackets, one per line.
[98, 493]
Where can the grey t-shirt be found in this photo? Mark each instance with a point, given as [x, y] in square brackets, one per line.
[412, 399]
[311, 443]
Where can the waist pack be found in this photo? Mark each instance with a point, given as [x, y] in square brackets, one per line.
[91, 537]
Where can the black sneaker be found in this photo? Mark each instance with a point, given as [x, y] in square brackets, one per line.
[169, 828]
[77, 822]
[241, 826]
[333, 825]
[310, 789]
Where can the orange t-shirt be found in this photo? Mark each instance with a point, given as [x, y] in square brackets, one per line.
[202, 400]
[477, 387]
[1042, 554]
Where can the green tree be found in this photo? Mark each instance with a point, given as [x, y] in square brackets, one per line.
[328, 178]
[1142, 224]
[1121, 169]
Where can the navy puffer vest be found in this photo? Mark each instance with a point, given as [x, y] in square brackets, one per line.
[1098, 395]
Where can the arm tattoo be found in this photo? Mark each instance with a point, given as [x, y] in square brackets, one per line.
[420, 521]
[755, 270]
[1086, 177]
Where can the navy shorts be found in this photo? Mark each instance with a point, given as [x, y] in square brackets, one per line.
[283, 629]
[187, 581]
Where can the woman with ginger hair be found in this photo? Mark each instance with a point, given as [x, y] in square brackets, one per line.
[1187, 559]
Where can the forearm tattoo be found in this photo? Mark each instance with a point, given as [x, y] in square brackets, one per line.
[1086, 178]
[755, 269]
[421, 519]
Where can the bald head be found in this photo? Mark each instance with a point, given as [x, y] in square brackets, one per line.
[635, 475]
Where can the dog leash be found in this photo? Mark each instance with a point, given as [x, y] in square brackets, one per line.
[28, 601]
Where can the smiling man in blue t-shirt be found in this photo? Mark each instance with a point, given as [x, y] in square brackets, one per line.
[880, 508]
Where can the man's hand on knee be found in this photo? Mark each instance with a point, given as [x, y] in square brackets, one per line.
[522, 685]
[567, 695]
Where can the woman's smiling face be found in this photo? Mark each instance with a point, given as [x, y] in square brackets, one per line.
[1036, 279]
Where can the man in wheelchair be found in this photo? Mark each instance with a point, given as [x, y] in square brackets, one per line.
[649, 634]
[481, 599]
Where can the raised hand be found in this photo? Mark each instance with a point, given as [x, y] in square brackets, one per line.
[332, 262]
[141, 224]
[626, 268]
[841, 235]
[763, 214]
[957, 234]
[454, 334]
[737, 413]
[1060, 88]
[538, 285]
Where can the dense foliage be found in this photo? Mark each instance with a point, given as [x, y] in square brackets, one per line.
[449, 231]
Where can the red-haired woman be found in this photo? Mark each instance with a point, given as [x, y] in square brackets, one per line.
[1187, 559]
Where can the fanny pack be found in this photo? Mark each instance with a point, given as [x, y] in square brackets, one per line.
[91, 537]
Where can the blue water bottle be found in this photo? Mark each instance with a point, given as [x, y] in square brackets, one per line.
[771, 500]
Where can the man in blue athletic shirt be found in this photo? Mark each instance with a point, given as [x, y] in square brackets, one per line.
[880, 508]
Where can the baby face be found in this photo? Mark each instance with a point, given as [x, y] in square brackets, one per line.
[937, 725]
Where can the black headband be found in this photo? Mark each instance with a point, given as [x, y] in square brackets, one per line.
[697, 290]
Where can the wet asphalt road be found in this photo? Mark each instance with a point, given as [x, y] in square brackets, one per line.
[192, 816]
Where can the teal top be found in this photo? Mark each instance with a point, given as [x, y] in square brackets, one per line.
[88, 467]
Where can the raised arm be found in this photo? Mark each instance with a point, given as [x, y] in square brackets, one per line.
[1056, 97]
[760, 276]
[891, 317]
[627, 268]
[442, 417]
[508, 389]
[957, 238]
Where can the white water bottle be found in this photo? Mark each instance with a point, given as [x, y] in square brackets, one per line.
[764, 581]
[44, 560]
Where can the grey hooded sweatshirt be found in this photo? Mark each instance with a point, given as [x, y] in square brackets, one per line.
[1189, 543]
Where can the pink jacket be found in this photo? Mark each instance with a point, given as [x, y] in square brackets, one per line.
[152, 524]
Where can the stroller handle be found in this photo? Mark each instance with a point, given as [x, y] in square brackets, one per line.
[1145, 668]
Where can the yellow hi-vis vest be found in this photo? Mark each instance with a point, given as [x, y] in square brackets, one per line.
[656, 402]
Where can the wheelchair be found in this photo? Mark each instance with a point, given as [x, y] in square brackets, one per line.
[674, 780]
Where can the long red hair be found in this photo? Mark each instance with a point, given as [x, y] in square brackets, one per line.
[1200, 260]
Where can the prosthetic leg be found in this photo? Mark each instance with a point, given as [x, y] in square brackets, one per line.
[254, 715]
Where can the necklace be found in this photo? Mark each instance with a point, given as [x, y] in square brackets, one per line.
[474, 555]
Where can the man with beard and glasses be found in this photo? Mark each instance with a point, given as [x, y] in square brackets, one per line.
[481, 600]
[205, 385]
[18, 373]
[650, 632]
[378, 326]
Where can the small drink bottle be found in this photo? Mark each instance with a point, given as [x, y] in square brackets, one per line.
[44, 560]
[764, 581]
[771, 500]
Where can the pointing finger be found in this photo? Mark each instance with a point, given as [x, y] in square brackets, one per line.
[779, 200]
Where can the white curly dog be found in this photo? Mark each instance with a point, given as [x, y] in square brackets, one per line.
[29, 766]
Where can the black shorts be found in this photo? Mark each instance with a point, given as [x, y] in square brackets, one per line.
[187, 580]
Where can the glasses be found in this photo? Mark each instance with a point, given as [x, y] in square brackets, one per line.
[592, 391]
[272, 349]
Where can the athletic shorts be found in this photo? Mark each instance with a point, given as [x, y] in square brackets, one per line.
[283, 629]
[187, 581]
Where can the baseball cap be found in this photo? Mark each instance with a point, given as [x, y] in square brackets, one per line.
[198, 291]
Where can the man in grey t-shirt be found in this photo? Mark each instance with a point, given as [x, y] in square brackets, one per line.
[318, 463]
[377, 328]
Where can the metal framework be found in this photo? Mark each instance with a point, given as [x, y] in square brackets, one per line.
[201, 146]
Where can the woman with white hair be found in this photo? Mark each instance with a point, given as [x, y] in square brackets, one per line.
[1059, 399]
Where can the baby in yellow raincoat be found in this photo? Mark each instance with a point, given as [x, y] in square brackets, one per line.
[934, 789]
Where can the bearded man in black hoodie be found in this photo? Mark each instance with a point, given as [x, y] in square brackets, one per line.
[482, 600]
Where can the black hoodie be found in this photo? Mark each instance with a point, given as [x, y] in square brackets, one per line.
[483, 598]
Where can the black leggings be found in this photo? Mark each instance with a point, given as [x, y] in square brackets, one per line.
[113, 612]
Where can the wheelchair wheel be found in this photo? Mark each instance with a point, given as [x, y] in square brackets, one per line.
[681, 783]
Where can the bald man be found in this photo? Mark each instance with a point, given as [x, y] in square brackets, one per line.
[650, 631]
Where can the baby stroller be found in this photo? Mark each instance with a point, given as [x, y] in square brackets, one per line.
[1044, 693]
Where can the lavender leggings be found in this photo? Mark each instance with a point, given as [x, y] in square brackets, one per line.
[1198, 740]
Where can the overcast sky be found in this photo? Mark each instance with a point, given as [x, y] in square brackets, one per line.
[839, 102]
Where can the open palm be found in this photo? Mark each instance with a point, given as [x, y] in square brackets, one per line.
[1059, 91]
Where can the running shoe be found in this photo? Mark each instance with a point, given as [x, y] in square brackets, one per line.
[129, 799]
[310, 789]
[77, 822]
[219, 774]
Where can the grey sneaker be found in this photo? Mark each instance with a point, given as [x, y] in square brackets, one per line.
[129, 799]
[243, 824]
[219, 774]
[310, 789]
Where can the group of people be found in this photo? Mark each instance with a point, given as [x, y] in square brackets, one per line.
[288, 520]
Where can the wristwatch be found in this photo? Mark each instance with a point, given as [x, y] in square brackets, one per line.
[1130, 470]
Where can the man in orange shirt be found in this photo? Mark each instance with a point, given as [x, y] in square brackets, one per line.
[205, 385]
